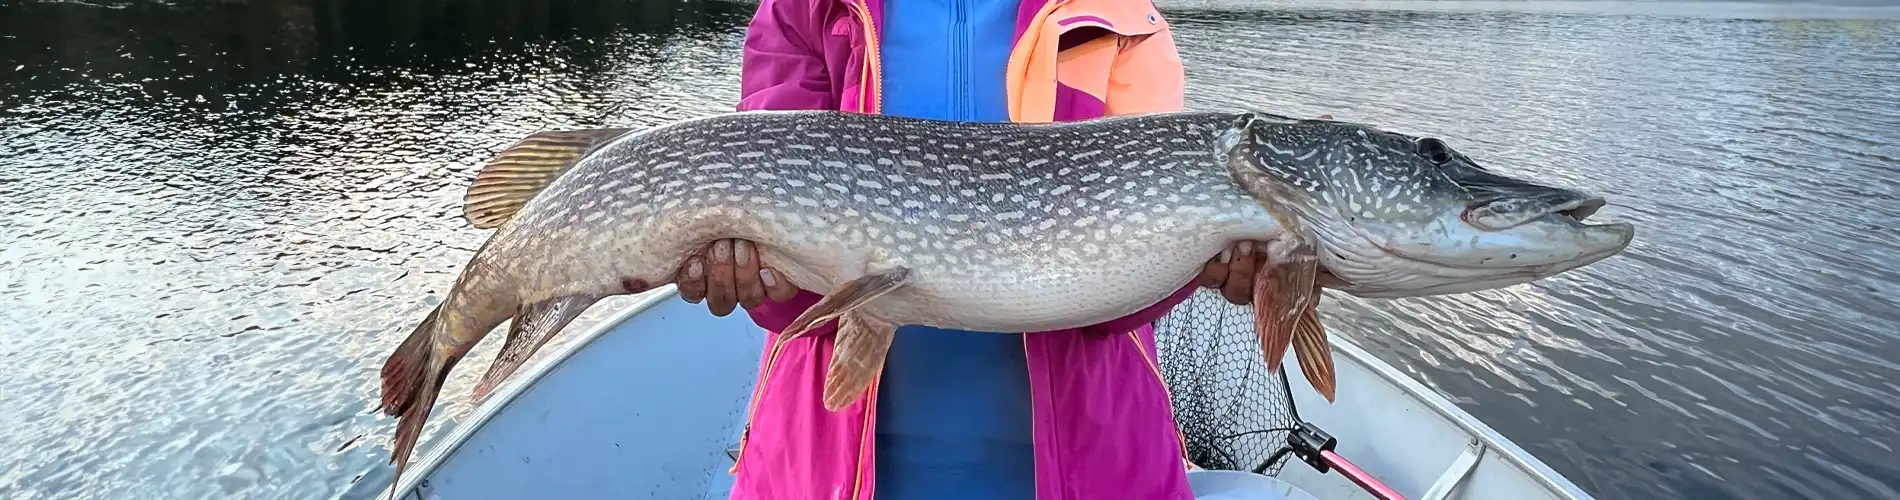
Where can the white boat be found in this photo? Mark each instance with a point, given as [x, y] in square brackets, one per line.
[596, 420]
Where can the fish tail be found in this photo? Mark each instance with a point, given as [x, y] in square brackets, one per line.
[404, 371]
[412, 378]
[412, 417]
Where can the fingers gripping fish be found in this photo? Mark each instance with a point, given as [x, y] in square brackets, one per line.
[983, 226]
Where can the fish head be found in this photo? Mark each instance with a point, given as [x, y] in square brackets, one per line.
[1395, 215]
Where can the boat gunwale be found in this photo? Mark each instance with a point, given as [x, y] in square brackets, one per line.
[1429, 398]
[499, 400]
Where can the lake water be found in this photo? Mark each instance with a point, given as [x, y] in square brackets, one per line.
[216, 219]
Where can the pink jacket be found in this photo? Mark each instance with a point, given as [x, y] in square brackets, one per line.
[1103, 424]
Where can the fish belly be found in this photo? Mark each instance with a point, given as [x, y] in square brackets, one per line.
[1066, 279]
[1052, 296]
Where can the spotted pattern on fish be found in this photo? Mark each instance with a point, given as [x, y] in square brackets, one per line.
[1012, 219]
[969, 206]
[1371, 175]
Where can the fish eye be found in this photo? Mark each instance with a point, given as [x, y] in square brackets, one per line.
[1434, 149]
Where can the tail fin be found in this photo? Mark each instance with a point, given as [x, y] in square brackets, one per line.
[409, 423]
[412, 377]
[403, 371]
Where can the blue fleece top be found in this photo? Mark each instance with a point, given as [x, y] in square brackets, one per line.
[953, 406]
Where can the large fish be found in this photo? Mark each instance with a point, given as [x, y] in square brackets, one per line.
[984, 226]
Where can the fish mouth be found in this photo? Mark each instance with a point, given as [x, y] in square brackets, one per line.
[1572, 209]
[1580, 209]
[1577, 212]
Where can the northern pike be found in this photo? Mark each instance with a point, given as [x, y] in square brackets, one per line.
[994, 227]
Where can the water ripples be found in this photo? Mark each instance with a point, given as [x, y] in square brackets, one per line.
[213, 235]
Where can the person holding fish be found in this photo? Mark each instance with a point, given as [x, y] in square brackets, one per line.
[1076, 408]
[1076, 414]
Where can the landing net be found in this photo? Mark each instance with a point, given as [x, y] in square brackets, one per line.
[1234, 414]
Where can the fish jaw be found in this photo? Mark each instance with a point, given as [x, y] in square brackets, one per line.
[1385, 274]
[1553, 242]
[1372, 259]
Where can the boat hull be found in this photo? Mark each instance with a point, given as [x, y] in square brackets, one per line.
[596, 419]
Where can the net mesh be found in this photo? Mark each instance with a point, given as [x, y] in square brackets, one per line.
[1234, 414]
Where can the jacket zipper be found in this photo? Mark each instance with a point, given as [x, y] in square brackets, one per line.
[960, 59]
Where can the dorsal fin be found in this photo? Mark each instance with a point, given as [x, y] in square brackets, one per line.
[516, 174]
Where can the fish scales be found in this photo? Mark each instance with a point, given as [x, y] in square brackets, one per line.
[999, 218]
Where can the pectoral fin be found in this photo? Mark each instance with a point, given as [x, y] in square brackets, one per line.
[850, 295]
[1316, 356]
[857, 357]
[1286, 313]
[533, 326]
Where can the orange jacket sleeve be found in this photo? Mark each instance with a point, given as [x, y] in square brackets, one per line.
[1147, 76]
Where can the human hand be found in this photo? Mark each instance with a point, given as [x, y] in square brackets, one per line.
[1232, 271]
[726, 273]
